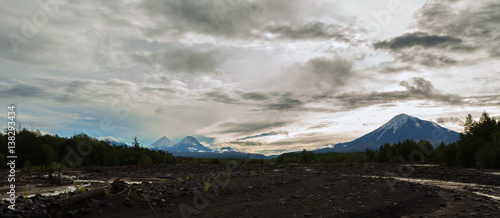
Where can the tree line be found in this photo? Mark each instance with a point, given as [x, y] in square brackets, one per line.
[35, 150]
[478, 146]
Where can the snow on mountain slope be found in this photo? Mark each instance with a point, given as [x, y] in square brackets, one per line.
[189, 144]
[397, 122]
[112, 140]
[162, 144]
[399, 128]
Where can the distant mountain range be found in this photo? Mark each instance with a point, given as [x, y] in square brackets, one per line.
[187, 144]
[113, 141]
[190, 147]
[399, 128]
[164, 143]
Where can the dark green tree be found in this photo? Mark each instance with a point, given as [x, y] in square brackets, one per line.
[468, 124]
[135, 142]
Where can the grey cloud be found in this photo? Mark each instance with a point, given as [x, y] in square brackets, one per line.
[191, 61]
[314, 30]
[259, 135]
[147, 59]
[477, 25]
[116, 83]
[68, 91]
[320, 126]
[297, 141]
[255, 96]
[239, 19]
[182, 60]
[480, 21]
[442, 120]
[322, 73]
[433, 60]
[485, 100]
[285, 103]
[423, 89]
[220, 97]
[225, 18]
[22, 90]
[417, 39]
[158, 111]
[417, 88]
[449, 34]
[247, 143]
[354, 100]
[395, 69]
[77, 85]
[157, 89]
[249, 127]
[426, 59]
[334, 71]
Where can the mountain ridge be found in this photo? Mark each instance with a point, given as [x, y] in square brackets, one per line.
[113, 141]
[163, 143]
[399, 128]
[189, 144]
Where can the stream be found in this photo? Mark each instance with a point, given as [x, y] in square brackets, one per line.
[56, 190]
[490, 191]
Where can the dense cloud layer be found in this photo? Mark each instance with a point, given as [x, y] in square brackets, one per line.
[260, 76]
[417, 39]
[449, 33]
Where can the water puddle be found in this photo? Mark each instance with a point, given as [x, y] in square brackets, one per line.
[493, 173]
[133, 182]
[487, 195]
[48, 190]
[490, 191]
[56, 190]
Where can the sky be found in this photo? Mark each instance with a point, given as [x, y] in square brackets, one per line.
[263, 76]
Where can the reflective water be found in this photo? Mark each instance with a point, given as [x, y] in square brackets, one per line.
[490, 191]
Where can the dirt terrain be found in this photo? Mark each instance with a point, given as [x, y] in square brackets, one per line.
[231, 190]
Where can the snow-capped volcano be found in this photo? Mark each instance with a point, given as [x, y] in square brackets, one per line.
[112, 140]
[162, 144]
[189, 144]
[398, 121]
[399, 128]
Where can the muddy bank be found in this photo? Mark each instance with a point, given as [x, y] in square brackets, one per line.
[321, 190]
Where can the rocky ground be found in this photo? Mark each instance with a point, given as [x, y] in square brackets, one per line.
[230, 190]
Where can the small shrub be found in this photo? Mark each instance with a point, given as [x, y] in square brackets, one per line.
[79, 188]
[107, 192]
[26, 192]
[66, 194]
[27, 165]
[207, 185]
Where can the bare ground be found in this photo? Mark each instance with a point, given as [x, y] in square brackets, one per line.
[319, 190]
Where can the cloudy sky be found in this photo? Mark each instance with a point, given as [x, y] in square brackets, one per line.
[260, 76]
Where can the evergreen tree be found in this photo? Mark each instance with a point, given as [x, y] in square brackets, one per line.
[135, 143]
[469, 123]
